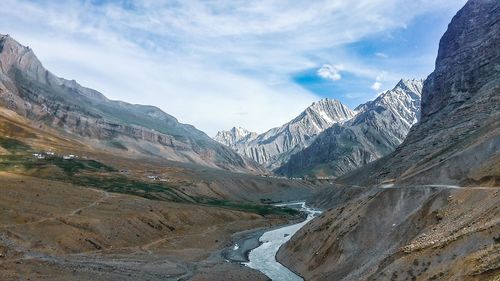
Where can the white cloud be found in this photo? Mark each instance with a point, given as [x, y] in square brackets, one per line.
[330, 72]
[205, 62]
[376, 86]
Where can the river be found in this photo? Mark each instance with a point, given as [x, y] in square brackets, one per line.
[263, 258]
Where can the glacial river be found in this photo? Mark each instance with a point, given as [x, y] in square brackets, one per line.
[263, 258]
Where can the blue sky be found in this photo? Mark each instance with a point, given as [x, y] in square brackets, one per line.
[405, 52]
[224, 63]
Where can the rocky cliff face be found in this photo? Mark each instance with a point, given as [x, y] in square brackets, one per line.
[378, 128]
[275, 146]
[417, 232]
[458, 138]
[27, 88]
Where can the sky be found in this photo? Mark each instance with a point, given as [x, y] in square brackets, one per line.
[223, 63]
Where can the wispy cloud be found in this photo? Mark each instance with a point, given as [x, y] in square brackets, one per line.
[205, 62]
[382, 55]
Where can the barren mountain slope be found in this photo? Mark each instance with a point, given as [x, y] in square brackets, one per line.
[412, 233]
[20, 138]
[30, 90]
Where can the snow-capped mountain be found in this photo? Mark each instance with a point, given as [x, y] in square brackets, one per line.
[275, 146]
[234, 136]
[377, 129]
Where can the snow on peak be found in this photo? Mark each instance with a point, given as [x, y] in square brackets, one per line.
[329, 110]
[412, 85]
[234, 135]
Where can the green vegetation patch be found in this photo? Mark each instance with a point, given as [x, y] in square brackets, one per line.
[68, 167]
[90, 173]
[73, 166]
[122, 184]
[13, 145]
[260, 209]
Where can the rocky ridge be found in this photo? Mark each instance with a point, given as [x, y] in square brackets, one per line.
[27, 88]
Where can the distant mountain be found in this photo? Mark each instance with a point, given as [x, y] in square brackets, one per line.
[458, 139]
[275, 146]
[377, 129]
[235, 136]
[27, 88]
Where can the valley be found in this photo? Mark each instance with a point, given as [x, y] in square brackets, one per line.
[103, 236]
[97, 215]
[403, 186]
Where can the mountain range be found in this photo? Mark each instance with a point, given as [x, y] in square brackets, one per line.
[328, 138]
[376, 130]
[457, 141]
[142, 131]
[274, 147]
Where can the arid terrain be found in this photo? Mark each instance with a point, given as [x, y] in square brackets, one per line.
[404, 186]
[411, 233]
[101, 216]
[55, 231]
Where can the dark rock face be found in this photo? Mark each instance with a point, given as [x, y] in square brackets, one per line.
[458, 138]
[468, 58]
[27, 88]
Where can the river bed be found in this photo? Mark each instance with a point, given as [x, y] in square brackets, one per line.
[263, 258]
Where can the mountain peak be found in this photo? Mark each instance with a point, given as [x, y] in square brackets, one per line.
[327, 111]
[413, 85]
[35, 93]
[234, 135]
[15, 47]
[13, 55]
[239, 130]
[325, 101]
